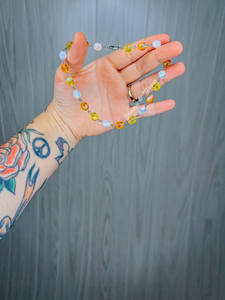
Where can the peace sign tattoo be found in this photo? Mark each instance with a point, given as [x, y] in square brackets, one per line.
[41, 147]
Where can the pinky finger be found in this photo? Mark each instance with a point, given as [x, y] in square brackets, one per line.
[154, 108]
[159, 107]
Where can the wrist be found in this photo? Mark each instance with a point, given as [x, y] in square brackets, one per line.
[58, 127]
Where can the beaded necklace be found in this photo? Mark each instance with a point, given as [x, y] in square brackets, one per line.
[128, 47]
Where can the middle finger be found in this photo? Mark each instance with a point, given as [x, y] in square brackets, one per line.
[150, 61]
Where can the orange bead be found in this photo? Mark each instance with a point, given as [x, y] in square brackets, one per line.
[150, 99]
[119, 125]
[84, 106]
[65, 68]
[167, 63]
[142, 46]
[87, 44]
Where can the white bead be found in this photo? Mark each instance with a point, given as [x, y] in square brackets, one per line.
[62, 55]
[97, 46]
[161, 74]
[105, 123]
[156, 44]
[76, 94]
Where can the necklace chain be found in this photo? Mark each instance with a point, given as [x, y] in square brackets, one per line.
[128, 48]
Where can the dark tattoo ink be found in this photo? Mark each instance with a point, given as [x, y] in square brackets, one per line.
[41, 147]
[60, 142]
[28, 131]
[6, 223]
[14, 156]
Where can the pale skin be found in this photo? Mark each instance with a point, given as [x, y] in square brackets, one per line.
[29, 158]
[103, 83]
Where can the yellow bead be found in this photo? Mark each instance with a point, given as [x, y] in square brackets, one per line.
[167, 63]
[68, 45]
[65, 68]
[128, 47]
[142, 46]
[156, 86]
[94, 116]
[131, 120]
[119, 125]
[84, 106]
[70, 81]
[150, 99]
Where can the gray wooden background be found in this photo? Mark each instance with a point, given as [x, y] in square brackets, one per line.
[137, 213]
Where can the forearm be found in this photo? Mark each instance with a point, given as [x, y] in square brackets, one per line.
[27, 160]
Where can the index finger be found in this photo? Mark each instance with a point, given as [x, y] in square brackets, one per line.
[121, 59]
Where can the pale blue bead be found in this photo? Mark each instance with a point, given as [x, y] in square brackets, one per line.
[76, 94]
[62, 55]
[162, 74]
[105, 123]
[156, 44]
[142, 110]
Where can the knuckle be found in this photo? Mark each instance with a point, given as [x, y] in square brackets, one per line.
[143, 87]
[129, 55]
[157, 56]
[139, 67]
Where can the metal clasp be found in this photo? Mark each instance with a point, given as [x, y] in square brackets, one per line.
[114, 47]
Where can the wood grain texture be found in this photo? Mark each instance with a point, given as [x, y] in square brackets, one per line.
[134, 214]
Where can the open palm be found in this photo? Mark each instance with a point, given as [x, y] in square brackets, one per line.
[103, 84]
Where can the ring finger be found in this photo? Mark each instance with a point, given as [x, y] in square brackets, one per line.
[144, 86]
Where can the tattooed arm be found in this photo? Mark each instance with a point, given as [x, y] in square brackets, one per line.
[27, 160]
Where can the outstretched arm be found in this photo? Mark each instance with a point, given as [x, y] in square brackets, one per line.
[30, 157]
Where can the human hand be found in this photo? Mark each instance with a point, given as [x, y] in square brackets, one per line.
[103, 84]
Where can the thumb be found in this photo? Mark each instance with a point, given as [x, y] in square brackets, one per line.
[75, 57]
[77, 53]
